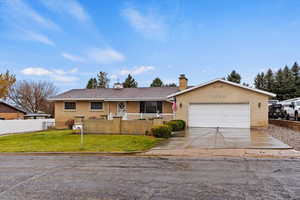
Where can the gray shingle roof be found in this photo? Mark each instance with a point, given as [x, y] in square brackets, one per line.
[113, 94]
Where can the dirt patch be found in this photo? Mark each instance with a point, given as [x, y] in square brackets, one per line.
[286, 135]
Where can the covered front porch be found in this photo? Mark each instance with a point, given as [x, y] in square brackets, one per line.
[133, 110]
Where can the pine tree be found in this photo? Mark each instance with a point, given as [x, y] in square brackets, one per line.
[279, 85]
[288, 85]
[130, 82]
[296, 75]
[269, 81]
[157, 83]
[103, 81]
[259, 81]
[92, 83]
[234, 77]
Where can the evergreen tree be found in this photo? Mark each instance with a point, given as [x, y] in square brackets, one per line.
[279, 85]
[295, 70]
[234, 77]
[288, 86]
[170, 85]
[269, 81]
[130, 82]
[157, 83]
[103, 81]
[92, 83]
[296, 75]
[259, 81]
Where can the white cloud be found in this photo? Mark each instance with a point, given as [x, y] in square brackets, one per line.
[18, 12]
[72, 57]
[74, 70]
[148, 24]
[65, 79]
[71, 7]
[62, 72]
[36, 71]
[55, 74]
[23, 22]
[38, 37]
[136, 70]
[104, 56]
[113, 77]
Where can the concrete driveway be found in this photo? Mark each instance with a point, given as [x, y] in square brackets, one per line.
[224, 138]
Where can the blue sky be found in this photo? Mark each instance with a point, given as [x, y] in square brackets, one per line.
[69, 41]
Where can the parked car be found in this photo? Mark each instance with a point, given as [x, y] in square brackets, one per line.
[291, 109]
[272, 101]
[276, 111]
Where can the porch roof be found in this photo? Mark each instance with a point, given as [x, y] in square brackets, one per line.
[114, 94]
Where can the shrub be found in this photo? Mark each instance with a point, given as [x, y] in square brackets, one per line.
[176, 125]
[70, 123]
[173, 125]
[161, 131]
[181, 123]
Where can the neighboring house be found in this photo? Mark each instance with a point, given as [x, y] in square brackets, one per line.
[8, 111]
[218, 103]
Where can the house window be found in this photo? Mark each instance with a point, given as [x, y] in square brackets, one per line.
[96, 105]
[151, 107]
[70, 106]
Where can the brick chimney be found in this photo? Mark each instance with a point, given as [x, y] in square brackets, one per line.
[183, 82]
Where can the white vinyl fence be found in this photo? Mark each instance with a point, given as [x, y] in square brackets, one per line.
[19, 126]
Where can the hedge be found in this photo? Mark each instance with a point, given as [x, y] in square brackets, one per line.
[176, 125]
[161, 131]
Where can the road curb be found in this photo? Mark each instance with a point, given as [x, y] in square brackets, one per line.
[70, 153]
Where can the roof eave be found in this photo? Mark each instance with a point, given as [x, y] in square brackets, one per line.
[224, 81]
[107, 99]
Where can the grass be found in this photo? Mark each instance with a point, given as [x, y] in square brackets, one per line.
[65, 141]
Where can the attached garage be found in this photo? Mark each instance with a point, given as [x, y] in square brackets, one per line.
[220, 103]
[219, 115]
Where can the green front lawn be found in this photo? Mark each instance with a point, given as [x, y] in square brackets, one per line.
[65, 141]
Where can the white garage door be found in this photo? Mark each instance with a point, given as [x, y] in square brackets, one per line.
[219, 115]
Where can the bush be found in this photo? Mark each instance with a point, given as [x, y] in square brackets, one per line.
[176, 125]
[70, 123]
[161, 131]
[173, 125]
[181, 123]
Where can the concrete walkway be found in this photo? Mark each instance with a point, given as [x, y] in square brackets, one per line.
[207, 142]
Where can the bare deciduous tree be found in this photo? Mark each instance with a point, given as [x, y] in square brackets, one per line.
[32, 96]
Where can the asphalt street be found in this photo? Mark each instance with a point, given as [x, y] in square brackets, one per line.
[106, 178]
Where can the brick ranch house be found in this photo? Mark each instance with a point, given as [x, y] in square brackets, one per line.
[9, 112]
[218, 103]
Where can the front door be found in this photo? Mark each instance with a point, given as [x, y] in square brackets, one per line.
[121, 109]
